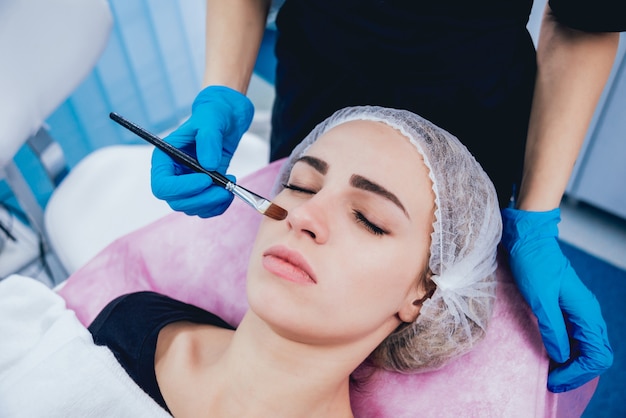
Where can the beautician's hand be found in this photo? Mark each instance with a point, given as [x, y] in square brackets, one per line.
[558, 298]
[219, 118]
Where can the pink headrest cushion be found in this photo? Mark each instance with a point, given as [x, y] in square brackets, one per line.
[203, 262]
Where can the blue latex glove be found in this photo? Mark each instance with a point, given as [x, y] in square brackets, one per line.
[219, 118]
[557, 296]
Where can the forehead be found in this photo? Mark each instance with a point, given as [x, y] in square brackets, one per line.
[378, 152]
[365, 138]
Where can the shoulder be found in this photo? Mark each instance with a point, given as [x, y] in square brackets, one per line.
[130, 326]
[144, 310]
[184, 352]
[186, 346]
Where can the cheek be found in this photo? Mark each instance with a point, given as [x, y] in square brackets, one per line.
[267, 229]
[380, 273]
[390, 271]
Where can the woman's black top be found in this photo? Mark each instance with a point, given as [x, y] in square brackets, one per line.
[129, 326]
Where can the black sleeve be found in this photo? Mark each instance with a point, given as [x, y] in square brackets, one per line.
[591, 15]
[129, 326]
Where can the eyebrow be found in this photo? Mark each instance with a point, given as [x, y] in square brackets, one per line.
[319, 165]
[362, 183]
[356, 180]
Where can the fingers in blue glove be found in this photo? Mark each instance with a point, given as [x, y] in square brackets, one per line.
[220, 116]
[213, 202]
[538, 265]
[556, 295]
[591, 351]
[197, 196]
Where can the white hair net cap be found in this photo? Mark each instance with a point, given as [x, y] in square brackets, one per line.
[466, 232]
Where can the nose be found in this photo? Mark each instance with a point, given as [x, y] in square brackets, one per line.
[309, 219]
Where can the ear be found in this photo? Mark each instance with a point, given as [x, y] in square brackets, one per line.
[410, 310]
[414, 302]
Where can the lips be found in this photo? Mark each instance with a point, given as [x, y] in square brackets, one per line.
[288, 264]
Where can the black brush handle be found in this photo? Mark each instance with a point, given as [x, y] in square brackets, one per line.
[177, 154]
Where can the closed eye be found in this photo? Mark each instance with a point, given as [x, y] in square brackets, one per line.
[371, 227]
[358, 216]
[298, 189]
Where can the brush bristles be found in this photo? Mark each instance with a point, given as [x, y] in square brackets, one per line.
[275, 212]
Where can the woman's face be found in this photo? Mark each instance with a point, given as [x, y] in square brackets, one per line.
[349, 259]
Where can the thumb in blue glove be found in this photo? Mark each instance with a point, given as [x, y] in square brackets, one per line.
[558, 298]
[219, 118]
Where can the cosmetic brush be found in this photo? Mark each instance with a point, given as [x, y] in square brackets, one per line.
[259, 203]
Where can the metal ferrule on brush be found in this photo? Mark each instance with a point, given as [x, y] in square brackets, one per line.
[259, 203]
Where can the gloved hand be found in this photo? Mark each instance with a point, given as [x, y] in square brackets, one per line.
[219, 118]
[558, 298]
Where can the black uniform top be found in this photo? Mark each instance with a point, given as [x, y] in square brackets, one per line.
[129, 326]
[591, 15]
[468, 66]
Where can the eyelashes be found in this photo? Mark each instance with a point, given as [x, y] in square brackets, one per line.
[374, 229]
[358, 216]
[297, 188]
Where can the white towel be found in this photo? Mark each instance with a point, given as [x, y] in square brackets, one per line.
[49, 365]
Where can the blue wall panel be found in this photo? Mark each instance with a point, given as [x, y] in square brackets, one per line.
[150, 72]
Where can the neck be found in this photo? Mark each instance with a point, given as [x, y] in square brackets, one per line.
[262, 374]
